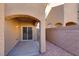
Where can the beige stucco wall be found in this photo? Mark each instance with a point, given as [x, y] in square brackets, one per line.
[33, 9]
[2, 29]
[11, 34]
[70, 12]
[56, 15]
[67, 12]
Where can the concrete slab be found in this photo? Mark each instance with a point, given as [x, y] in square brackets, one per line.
[25, 48]
[31, 48]
[53, 50]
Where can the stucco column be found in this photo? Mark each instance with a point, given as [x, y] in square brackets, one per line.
[2, 29]
[42, 36]
[70, 13]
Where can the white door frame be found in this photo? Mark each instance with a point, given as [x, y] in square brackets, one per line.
[22, 33]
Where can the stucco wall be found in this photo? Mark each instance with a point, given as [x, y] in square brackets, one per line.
[32, 9]
[65, 37]
[70, 12]
[11, 34]
[56, 15]
[1, 29]
[63, 14]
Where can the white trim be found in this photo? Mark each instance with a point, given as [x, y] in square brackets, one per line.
[27, 35]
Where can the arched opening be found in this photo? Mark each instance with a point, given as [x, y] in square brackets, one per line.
[23, 18]
[58, 24]
[23, 29]
[71, 23]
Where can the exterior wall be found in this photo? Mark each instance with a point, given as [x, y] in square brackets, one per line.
[11, 34]
[63, 14]
[65, 37]
[56, 15]
[35, 37]
[33, 9]
[38, 32]
[78, 11]
[2, 29]
[70, 13]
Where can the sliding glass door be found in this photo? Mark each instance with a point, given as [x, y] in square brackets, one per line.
[27, 33]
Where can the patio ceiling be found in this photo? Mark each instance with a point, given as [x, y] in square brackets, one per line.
[24, 18]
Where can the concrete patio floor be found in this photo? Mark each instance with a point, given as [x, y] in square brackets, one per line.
[25, 48]
[53, 50]
[31, 48]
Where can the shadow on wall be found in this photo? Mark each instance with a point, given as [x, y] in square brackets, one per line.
[67, 24]
[71, 23]
[58, 24]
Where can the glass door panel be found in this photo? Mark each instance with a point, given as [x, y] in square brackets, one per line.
[27, 33]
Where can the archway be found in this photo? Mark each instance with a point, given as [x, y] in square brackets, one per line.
[15, 25]
[58, 24]
[70, 23]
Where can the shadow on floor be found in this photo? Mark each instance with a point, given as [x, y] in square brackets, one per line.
[25, 48]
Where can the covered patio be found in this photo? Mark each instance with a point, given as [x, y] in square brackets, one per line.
[22, 35]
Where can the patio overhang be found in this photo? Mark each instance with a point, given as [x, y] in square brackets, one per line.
[24, 18]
